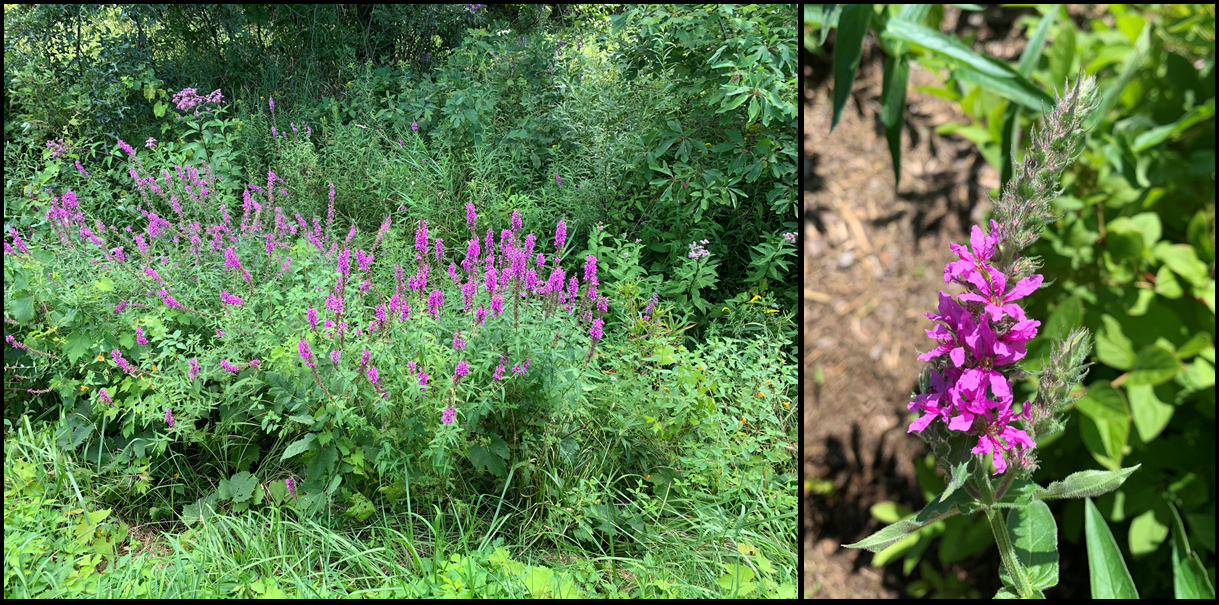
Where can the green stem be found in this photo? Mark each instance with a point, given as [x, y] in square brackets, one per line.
[1007, 551]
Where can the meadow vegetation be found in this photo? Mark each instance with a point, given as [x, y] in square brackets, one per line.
[456, 301]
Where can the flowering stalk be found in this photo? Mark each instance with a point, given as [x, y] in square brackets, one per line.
[966, 397]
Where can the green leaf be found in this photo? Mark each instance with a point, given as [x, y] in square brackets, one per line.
[1124, 239]
[299, 446]
[1150, 414]
[1133, 62]
[852, 26]
[483, 460]
[937, 42]
[1104, 424]
[1146, 534]
[1167, 284]
[78, 345]
[1197, 234]
[105, 284]
[960, 462]
[242, 486]
[987, 71]
[1149, 225]
[499, 447]
[889, 512]
[1112, 347]
[1155, 136]
[1203, 527]
[1189, 577]
[894, 108]
[1034, 534]
[1086, 484]
[1102, 402]
[1183, 260]
[1062, 54]
[1032, 50]
[23, 309]
[1153, 365]
[960, 502]
[895, 550]
[1107, 569]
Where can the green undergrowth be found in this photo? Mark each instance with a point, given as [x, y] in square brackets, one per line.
[61, 543]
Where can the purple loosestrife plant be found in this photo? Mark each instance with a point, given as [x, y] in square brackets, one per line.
[965, 402]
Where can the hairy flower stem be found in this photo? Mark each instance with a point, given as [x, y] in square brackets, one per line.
[998, 526]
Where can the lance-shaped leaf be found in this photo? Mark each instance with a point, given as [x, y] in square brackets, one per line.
[958, 503]
[1086, 484]
[852, 25]
[959, 469]
[894, 109]
[1034, 534]
[1189, 578]
[1106, 567]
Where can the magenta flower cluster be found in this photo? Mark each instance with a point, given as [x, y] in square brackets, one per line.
[123, 364]
[982, 333]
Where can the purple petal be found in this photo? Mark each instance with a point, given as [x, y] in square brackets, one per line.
[961, 422]
[921, 423]
[1024, 288]
[957, 356]
[978, 241]
[971, 297]
[1000, 387]
[933, 353]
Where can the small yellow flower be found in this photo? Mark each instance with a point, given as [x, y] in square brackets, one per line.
[786, 403]
[767, 382]
[175, 475]
[83, 388]
[647, 476]
[665, 388]
[771, 311]
[743, 419]
[598, 500]
[154, 367]
[755, 297]
[99, 357]
[724, 309]
[260, 98]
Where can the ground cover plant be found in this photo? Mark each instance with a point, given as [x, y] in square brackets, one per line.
[371, 344]
[1131, 257]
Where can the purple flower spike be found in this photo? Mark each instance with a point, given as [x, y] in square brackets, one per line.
[169, 417]
[291, 485]
[560, 235]
[449, 415]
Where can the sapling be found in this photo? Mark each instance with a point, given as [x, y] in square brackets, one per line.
[965, 398]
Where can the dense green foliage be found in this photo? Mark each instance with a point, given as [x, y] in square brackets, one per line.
[217, 331]
[1131, 258]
